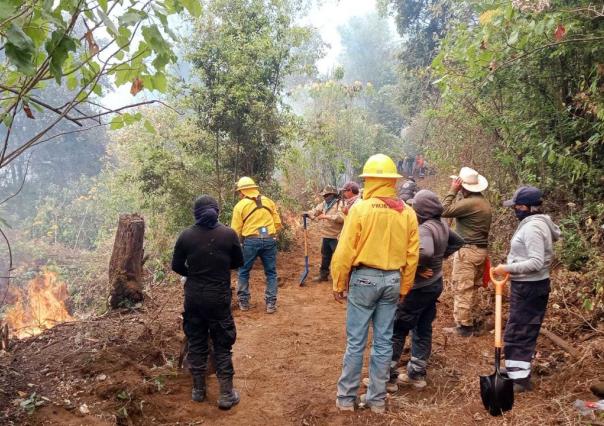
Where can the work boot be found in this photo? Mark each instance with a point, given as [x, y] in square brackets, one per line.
[461, 330]
[271, 308]
[404, 379]
[323, 276]
[228, 396]
[244, 306]
[377, 409]
[343, 407]
[523, 385]
[198, 393]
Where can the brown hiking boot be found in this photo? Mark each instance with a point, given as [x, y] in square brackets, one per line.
[321, 277]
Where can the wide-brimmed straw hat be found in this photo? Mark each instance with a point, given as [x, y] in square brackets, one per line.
[472, 180]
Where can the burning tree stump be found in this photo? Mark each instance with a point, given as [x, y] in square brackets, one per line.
[126, 265]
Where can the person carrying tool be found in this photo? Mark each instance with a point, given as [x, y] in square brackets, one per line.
[331, 216]
[351, 195]
[528, 263]
[256, 221]
[418, 310]
[375, 261]
[408, 189]
[473, 216]
[205, 253]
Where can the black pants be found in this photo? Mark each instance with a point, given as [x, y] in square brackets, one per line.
[328, 247]
[528, 302]
[208, 314]
[416, 313]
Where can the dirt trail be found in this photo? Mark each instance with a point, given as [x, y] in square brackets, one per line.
[287, 364]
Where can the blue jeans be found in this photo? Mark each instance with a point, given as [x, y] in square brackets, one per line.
[266, 250]
[372, 297]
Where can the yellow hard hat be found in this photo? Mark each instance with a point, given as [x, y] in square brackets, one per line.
[380, 166]
[246, 183]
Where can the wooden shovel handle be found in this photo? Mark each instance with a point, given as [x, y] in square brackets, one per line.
[499, 283]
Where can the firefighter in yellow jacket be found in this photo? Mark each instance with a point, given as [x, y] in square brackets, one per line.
[375, 261]
[256, 221]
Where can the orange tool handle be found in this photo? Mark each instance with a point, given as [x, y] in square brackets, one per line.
[499, 283]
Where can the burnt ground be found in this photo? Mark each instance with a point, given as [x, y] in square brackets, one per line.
[120, 368]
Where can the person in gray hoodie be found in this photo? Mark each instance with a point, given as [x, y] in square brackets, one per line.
[528, 263]
[418, 310]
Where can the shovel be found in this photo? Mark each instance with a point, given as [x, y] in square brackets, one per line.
[497, 390]
[305, 273]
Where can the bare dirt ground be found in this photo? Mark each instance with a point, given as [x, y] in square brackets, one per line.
[121, 368]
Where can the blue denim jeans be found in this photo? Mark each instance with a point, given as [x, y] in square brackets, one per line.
[372, 297]
[266, 250]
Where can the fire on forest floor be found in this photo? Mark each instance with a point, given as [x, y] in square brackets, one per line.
[39, 306]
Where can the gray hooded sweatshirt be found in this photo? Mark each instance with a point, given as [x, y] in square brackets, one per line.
[532, 248]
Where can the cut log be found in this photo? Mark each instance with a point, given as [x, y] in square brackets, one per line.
[560, 342]
[126, 264]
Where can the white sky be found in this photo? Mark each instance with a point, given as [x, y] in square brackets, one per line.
[326, 17]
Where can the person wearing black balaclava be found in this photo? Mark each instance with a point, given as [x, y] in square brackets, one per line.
[528, 263]
[205, 253]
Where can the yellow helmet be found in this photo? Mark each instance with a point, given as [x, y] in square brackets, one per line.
[246, 183]
[380, 166]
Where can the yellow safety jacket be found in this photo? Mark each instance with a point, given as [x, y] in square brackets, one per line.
[377, 236]
[247, 224]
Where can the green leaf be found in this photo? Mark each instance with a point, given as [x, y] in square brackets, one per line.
[18, 38]
[8, 8]
[58, 48]
[131, 17]
[149, 127]
[116, 122]
[160, 82]
[36, 31]
[103, 4]
[111, 28]
[72, 81]
[513, 37]
[193, 7]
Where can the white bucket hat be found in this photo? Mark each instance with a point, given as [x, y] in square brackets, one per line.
[471, 180]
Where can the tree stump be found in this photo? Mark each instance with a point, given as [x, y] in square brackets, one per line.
[126, 264]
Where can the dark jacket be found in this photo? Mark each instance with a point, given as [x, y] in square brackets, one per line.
[206, 256]
[436, 240]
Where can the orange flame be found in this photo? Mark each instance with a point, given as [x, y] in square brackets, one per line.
[42, 308]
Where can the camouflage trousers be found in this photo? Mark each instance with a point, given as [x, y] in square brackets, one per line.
[468, 268]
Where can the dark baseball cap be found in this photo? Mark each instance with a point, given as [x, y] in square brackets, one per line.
[526, 196]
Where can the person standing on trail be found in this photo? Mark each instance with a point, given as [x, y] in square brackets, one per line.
[256, 221]
[205, 253]
[331, 216]
[375, 261]
[408, 189]
[528, 264]
[351, 192]
[473, 216]
[418, 310]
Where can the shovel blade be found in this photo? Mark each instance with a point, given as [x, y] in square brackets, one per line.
[305, 273]
[497, 393]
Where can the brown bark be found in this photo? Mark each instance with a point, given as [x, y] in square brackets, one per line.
[126, 264]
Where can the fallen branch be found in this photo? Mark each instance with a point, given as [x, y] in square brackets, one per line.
[560, 342]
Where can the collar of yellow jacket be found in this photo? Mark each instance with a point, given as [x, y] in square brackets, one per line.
[250, 192]
[379, 187]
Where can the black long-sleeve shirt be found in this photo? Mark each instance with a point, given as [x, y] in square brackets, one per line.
[207, 255]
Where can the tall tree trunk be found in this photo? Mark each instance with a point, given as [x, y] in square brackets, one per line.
[126, 264]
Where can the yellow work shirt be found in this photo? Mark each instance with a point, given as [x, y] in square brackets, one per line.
[377, 236]
[260, 218]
